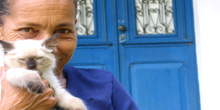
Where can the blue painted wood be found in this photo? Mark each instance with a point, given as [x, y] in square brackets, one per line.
[179, 24]
[157, 61]
[159, 71]
[162, 80]
[99, 22]
[100, 51]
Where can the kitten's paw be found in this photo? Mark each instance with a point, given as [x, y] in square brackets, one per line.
[35, 86]
[72, 103]
[77, 104]
[34, 83]
[24, 78]
[80, 106]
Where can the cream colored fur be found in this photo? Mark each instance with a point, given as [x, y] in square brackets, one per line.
[19, 75]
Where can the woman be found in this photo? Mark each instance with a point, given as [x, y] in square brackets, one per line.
[40, 19]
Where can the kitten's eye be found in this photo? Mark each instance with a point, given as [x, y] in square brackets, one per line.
[21, 59]
[39, 58]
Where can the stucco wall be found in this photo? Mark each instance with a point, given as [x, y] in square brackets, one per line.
[207, 25]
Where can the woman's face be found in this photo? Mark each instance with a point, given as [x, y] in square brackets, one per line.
[40, 19]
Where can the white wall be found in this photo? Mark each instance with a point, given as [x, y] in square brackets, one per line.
[207, 25]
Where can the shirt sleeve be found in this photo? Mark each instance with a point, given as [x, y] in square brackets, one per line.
[121, 99]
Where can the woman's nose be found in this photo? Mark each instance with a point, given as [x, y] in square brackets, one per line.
[44, 36]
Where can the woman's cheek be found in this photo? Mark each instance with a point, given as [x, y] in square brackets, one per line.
[12, 37]
[66, 47]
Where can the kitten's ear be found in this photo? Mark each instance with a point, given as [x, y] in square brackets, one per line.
[50, 43]
[6, 45]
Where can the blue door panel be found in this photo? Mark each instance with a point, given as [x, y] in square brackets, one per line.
[99, 57]
[178, 18]
[158, 85]
[159, 71]
[98, 11]
[161, 77]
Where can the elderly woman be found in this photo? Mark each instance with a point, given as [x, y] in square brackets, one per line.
[40, 19]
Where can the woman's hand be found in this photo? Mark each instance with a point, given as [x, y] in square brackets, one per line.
[14, 98]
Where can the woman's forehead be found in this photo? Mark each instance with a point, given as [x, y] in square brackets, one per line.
[42, 7]
[42, 11]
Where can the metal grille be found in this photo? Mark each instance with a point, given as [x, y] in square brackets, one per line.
[154, 17]
[85, 24]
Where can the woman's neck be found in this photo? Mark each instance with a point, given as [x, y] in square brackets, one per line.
[62, 80]
[61, 77]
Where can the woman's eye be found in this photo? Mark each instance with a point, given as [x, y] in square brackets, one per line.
[27, 29]
[28, 32]
[64, 31]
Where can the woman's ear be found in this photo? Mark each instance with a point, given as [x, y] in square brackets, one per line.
[76, 21]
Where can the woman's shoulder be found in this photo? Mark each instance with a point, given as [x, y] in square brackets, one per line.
[87, 73]
[85, 70]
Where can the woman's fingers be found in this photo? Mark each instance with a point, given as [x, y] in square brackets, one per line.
[23, 99]
[46, 83]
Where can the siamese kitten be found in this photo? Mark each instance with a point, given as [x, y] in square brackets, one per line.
[28, 61]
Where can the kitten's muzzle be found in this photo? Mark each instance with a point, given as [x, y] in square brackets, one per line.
[31, 64]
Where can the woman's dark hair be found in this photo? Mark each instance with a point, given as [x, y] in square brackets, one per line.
[4, 8]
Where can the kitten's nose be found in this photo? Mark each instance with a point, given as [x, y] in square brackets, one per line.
[31, 64]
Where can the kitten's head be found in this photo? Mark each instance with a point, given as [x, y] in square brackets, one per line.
[30, 54]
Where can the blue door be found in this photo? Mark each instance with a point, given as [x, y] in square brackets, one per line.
[149, 45]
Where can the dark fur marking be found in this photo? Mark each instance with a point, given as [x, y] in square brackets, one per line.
[6, 45]
[31, 64]
[35, 87]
